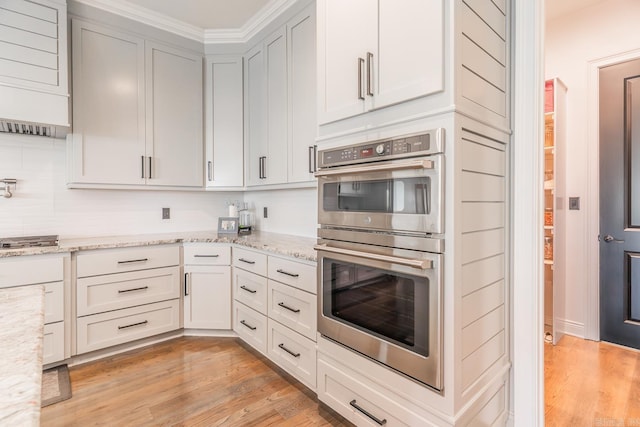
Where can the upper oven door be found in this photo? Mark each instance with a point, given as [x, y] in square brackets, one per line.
[400, 195]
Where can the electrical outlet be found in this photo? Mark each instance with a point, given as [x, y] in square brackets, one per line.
[264, 212]
[166, 213]
[574, 203]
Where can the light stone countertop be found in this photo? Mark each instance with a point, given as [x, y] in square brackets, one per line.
[22, 320]
[276, 243]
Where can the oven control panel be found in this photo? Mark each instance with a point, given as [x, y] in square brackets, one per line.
[407, 146]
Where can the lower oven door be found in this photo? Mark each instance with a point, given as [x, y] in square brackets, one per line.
[384, 305]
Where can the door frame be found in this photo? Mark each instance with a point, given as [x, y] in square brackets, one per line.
[592, 297]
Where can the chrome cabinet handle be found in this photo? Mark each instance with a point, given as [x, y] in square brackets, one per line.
[251, 291]
[264, 167]
[422, 264]
[144, 322]
[186, 290]
[369, 71]
[360, 88]
[281, 345]
[206, 256]
[283, 305]
[150, 167]
[142, 166]
[287, 273]
[413, 164]
[133, 260]
[210, 170]
[609, 238]
[367, 413]
[124, 291]
[246, 261]
[311, 158]
[253, 328]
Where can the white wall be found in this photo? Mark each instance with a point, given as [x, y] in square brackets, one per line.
[595, 32]
[42, 204]
[289, 211]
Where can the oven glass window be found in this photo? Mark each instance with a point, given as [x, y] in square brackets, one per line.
[389, 305]
[396, 195]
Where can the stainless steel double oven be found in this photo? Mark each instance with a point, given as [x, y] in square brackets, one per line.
[380, 251]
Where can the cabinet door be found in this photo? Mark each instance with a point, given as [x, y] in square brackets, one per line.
[301, 36]
[224, 122]
[255, 115]
[347, 30]
[108, 141]
[275, 166]
[410, 61]
[174, 117]
[207, 297]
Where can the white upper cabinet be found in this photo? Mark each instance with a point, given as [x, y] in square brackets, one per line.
[224, 122]
[137, 112]
[108, 140]
[280, 111]
[373, 54]
[301, 33]
[174, 117]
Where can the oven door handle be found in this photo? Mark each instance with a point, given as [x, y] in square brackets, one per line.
[422, 264]
[413, 164]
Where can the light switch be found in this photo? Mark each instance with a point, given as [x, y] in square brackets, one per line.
[574, 203]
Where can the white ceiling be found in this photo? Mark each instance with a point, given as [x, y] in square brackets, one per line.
[557, 8]
[207, 14]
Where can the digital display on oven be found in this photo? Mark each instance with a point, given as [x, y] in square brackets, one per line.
[366, 152]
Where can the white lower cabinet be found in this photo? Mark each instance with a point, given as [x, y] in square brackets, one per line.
[250, 326]
[346, 394]
[53, 343]
[293, 352]
[207, 297]
[120, 326]
[250, 289]
[293, 308]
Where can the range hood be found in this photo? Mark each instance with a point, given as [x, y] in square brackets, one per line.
[34, 94]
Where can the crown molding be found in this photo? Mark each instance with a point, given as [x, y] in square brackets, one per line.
[207, 36]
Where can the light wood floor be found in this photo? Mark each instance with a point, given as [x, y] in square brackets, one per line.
[188, 382]
[591, 383]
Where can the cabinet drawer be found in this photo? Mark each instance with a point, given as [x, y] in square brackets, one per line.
[107, 261]
[301, 276]
[115, 291]
[30, 270]
[53, 343]
[250, 289]
[206, 254]
[251, 326]
[293, 308]
[345, 394]
[53, 302]
[252, 261]
[293, 352]
[120, 326]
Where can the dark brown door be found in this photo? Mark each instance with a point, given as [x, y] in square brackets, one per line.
[620, 203]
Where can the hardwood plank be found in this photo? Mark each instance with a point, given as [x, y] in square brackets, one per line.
[188, 381]
[591, 383]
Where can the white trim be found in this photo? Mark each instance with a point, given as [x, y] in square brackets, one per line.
[570, 327]
[592, 297]
[257, 23]
[527, 251]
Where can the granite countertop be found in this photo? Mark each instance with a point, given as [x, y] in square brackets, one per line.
[22, 320]
[276, 243]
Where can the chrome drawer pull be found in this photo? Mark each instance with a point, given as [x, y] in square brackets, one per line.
[133, 289]
[253, 328]
[244, 288]
[144, 322]
[287, 273]
[206, 256]
[365, 412]
[133, 260]
[246, 261]
[288, 351]
[283, 305]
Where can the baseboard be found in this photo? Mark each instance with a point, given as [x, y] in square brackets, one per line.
[510, 420]
[570, 327]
